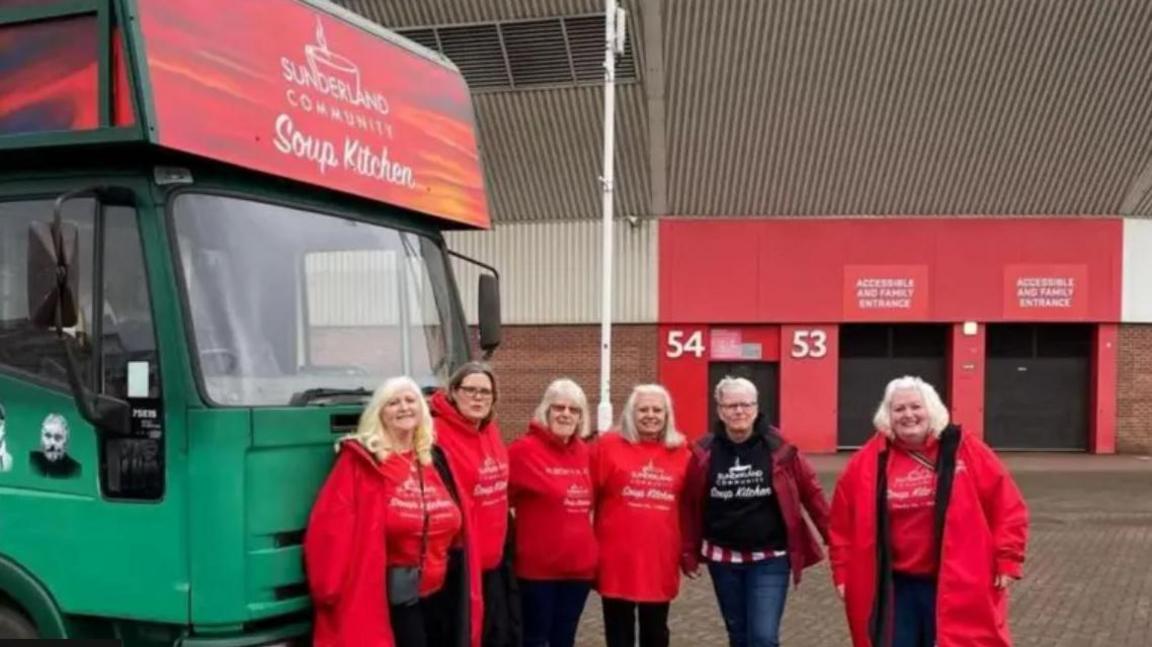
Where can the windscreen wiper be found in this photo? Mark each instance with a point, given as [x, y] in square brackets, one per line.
[344, 396]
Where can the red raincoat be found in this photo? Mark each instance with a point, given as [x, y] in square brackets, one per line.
[985, 532]
[344, 555]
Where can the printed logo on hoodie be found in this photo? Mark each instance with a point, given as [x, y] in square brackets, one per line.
[578, 499]
[406, 499]
[492, 483]
[740, 481]
[913, 489]
[650, 487]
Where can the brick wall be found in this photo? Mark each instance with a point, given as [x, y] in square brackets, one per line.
[1134, 390]
[530, 357]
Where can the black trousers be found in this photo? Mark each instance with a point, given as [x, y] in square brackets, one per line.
[620, 620]
[502, 622]
[408, 625]
[437, 619]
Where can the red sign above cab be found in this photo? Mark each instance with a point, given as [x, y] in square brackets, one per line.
[328, 102]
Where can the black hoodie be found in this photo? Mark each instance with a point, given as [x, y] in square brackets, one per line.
[741, 510]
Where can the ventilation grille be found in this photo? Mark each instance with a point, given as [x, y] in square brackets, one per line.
[527, 53]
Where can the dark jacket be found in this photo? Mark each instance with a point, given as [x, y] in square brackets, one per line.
[502, 621]
[797, 489]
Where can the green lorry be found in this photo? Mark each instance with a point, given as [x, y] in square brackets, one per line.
[220, 229]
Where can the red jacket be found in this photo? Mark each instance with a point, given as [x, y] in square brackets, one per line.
[797, 489]
[479, 462]
[551, 489]
[985, 532]
[345, 556]
[638, 492]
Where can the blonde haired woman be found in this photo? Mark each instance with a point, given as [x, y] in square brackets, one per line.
[928, 530]
[550, 488]
[389, 519]
[638, 474]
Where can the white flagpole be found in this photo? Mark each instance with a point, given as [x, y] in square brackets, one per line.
[613, 43]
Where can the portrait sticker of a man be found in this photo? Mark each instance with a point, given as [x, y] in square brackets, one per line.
[52, 459]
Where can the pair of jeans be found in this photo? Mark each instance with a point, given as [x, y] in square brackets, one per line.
[620, 619]
[552, 610]
[751, 597]
[914, 622]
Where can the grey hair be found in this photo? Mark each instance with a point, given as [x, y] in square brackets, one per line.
[937, 413]
[670, 435]
[730, 383]
[371, 433]
[564, 388]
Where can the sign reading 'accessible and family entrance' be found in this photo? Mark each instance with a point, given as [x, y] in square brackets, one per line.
[1057, 292]
[885, 292]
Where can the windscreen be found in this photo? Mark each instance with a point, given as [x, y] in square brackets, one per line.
[289, 306]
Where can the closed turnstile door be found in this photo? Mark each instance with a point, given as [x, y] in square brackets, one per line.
[766, 377]
[1037, 386]
[871, 355]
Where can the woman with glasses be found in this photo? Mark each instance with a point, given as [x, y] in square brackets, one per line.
[466, 430]
[743, 515]
[550, 488]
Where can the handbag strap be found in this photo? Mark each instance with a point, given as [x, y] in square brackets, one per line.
[424, 512]
[919, 457]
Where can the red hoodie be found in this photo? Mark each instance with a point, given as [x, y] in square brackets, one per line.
[479, 462]
[911, 506]
[638, 490]
[406, 510]
[551, 489]
[346, 557]
[985, 532]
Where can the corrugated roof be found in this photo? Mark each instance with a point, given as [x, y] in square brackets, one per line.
[890, 107]
[543, 152]
[825, 107]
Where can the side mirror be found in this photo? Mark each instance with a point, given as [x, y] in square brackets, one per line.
[52, 286]
[52, 275]
[488, 312]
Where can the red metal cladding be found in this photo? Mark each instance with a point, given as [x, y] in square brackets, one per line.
[900, 269]
[721, 279]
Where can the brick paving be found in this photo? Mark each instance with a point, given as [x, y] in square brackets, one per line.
[1088, 578]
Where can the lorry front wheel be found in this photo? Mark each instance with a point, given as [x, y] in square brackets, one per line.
[14, 624]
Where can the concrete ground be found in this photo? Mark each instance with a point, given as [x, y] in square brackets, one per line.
[1088, 576]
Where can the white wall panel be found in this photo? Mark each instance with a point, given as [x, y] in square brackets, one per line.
[550, 273]
[1136, 303]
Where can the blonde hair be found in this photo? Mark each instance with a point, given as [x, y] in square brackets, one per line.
[567, 389]
[670, 435]
[370, 432]
[937, 413]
